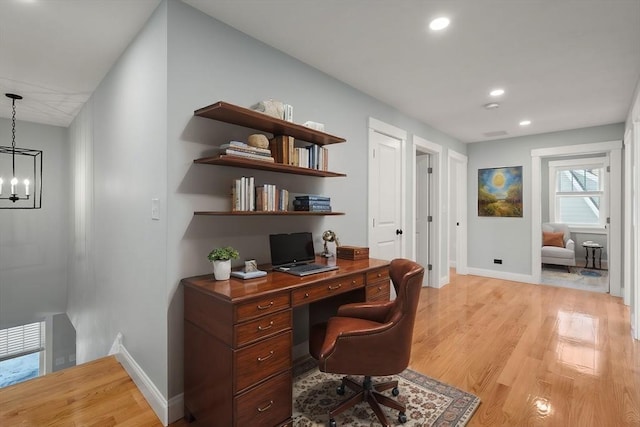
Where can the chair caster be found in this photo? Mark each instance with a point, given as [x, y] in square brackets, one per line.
[340, 390]
[395, 391]
[402, 418]
[332, 423]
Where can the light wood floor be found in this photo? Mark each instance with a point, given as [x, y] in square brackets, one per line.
[535, 355]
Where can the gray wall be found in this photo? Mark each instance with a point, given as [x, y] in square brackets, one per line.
[510, 238]
[209, 62]
[119, 160]
[33, 242]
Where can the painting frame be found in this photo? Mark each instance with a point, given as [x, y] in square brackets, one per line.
[500, 192]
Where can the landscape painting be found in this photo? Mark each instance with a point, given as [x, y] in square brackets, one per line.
[500, 192]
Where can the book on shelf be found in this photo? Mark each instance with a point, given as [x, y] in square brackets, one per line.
[313, 208]
[311, 203]
[270, 198]
[281, 148]
[315, 197]
[249, 150]
[250, 156]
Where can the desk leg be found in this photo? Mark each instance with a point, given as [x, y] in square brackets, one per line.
[599, 259]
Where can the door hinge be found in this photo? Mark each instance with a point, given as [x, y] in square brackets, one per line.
[429, 170]
[374, 222]
[429, 218]
[608, 220]
[608, 168]
[374, 153]
[429, 267]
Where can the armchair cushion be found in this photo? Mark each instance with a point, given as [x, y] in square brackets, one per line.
[553, 239]
[374, 311]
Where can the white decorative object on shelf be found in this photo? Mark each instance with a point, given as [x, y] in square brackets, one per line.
[314, 125]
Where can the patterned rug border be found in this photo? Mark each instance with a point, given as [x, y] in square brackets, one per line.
[306, 367]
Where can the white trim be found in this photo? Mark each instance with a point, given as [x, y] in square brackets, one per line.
[569, 150]
[635, 322]
[383, 128]
[504, 275]
[461, 193]
[435, 194]
[152, 395]
[614, 243]
[176, 408]
[587, 230]
[612, 149]
[626, 276]
[387, 129]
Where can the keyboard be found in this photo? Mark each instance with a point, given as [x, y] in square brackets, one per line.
[306, 269]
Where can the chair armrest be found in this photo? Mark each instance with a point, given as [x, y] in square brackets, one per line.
[570, 245]
[374, 311]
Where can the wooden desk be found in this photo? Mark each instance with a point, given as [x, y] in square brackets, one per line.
[238, 339]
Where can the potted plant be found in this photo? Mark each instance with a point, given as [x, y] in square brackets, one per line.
[221, 260]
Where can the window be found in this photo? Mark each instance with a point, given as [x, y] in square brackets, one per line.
[577, 193]
[21, 349]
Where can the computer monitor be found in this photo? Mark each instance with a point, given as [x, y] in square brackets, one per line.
[291, 249]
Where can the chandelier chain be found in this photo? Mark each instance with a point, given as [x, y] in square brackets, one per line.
[13, 125]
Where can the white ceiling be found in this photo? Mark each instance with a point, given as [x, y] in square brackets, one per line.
[564, 64]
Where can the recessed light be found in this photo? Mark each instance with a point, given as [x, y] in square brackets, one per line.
[491, 105]
[525, 123]
[497, 92]
[439, 23]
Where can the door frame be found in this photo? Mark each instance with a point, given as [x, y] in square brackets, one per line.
[614, 256]
[379, 126]
[421, 145]
[453, 157]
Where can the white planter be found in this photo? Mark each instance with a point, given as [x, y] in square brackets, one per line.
[222, 269]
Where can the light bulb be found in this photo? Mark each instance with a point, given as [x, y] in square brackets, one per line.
[1, 182]
[14, 182]
[439, 23]
[26, 187]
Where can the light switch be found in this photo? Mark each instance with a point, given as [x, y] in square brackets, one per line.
[155, 209]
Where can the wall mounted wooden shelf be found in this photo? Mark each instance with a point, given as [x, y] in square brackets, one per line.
[241, 116]
[240, 162]
[266, 213]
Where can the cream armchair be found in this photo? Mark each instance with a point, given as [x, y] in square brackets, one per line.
[555, 254]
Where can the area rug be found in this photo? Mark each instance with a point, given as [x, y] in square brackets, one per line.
[429, 402]
[577, 278]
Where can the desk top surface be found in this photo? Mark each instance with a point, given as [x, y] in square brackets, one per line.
[236, 289]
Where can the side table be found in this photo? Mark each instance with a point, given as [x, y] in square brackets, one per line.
[591, 249]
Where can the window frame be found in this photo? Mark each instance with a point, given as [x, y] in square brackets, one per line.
[556, 166]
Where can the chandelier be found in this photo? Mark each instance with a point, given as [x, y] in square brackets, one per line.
[20, 172]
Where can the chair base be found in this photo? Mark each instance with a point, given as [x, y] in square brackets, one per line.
[370, 393]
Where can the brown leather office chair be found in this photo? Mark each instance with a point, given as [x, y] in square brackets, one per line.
[371, 339]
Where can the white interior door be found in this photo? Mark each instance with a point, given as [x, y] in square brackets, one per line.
[386, 191]
[458, 204]
[423, 212]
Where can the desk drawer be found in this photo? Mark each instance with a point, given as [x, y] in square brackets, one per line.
[376, 275]
[258, 361]
[267, 405]
[265, 326]
[378, 291]
[261, 306]
[326, 289]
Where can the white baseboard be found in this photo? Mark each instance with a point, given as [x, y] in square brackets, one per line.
[504, 275]
[452, 264]
[152, 395]
[176, 408]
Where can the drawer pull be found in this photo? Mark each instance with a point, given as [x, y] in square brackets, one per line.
[306, 295]
[333, 288]
[269, 405]
[353, 282]
[379, 288]
[262, 359]
[264, 307]
[264, 328]
[379, 274]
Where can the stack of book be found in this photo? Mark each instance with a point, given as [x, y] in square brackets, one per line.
[284, 151]
[240, 149]
[243, 194]
[271, 198]
[246, 196]
[312, 203]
